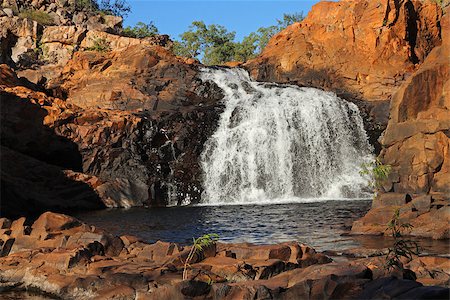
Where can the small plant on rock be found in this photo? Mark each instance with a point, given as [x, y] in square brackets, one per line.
[100, 45]
[198, 245]
[401, 247]
[377, 173]
[41, 17]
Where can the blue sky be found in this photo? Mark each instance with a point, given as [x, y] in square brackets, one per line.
[174, 17]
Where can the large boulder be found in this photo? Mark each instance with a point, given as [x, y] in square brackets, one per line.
[416, 141]
[144, 76]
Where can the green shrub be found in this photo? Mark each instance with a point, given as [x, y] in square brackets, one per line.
[377, 173]
[439, 2]
[198, 245]
[140, 30]
[87, 5]
[39, 16]
[401, 247]
[100, 45]
[110, 7]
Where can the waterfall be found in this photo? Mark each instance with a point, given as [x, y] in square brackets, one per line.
[278, 143]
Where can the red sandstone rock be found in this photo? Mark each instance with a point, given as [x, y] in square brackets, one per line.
[118, 157]
[362, 48]
[81, 267]
[416, 144]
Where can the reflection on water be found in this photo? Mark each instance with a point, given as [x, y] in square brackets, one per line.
[319, 224]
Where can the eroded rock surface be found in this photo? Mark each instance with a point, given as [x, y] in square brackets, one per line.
[40, 37]
[416, 144]
[62, 256]
[121, 117]
[364, 48]
[126, 157]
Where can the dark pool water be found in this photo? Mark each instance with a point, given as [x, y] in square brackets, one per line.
[320, 224]
[324, 225]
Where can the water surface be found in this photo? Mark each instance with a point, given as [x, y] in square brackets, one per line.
[320, 224]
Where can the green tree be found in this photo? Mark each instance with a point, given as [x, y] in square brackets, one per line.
[112, 7]
[199, 244]
[115, 7]
[141, 30]
[264, 34]
[86, 5]
[213, 42]
[289, 19]
[246, 49]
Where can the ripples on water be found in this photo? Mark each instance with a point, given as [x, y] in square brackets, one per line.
[319, 224]
[323, 225]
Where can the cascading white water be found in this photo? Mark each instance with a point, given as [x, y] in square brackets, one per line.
[278, 143]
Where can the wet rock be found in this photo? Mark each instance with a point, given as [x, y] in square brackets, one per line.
[121, 158]
[81, 267]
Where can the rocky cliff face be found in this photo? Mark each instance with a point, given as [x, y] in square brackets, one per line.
[125, 124]
[103, 119]
[364, 49]
[377, 54]
[37, 33]
[416, 145]
[359, 49]
[416, 141]
[124, 157]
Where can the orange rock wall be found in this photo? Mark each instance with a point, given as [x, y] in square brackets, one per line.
[416, 141]
[360, 49]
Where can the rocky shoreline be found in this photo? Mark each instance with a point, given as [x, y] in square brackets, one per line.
[85, 129]
[62, 257]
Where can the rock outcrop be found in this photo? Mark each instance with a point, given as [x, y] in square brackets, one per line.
[63, 257]
[125, 157]
[362, 50]
[416, 144]
[120, 118]
[44, 35]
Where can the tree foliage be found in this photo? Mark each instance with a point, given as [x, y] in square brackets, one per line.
[214, 44]
[377, 174]
[112, 7]
[140, 30]
[99, 45]
[39, 16]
